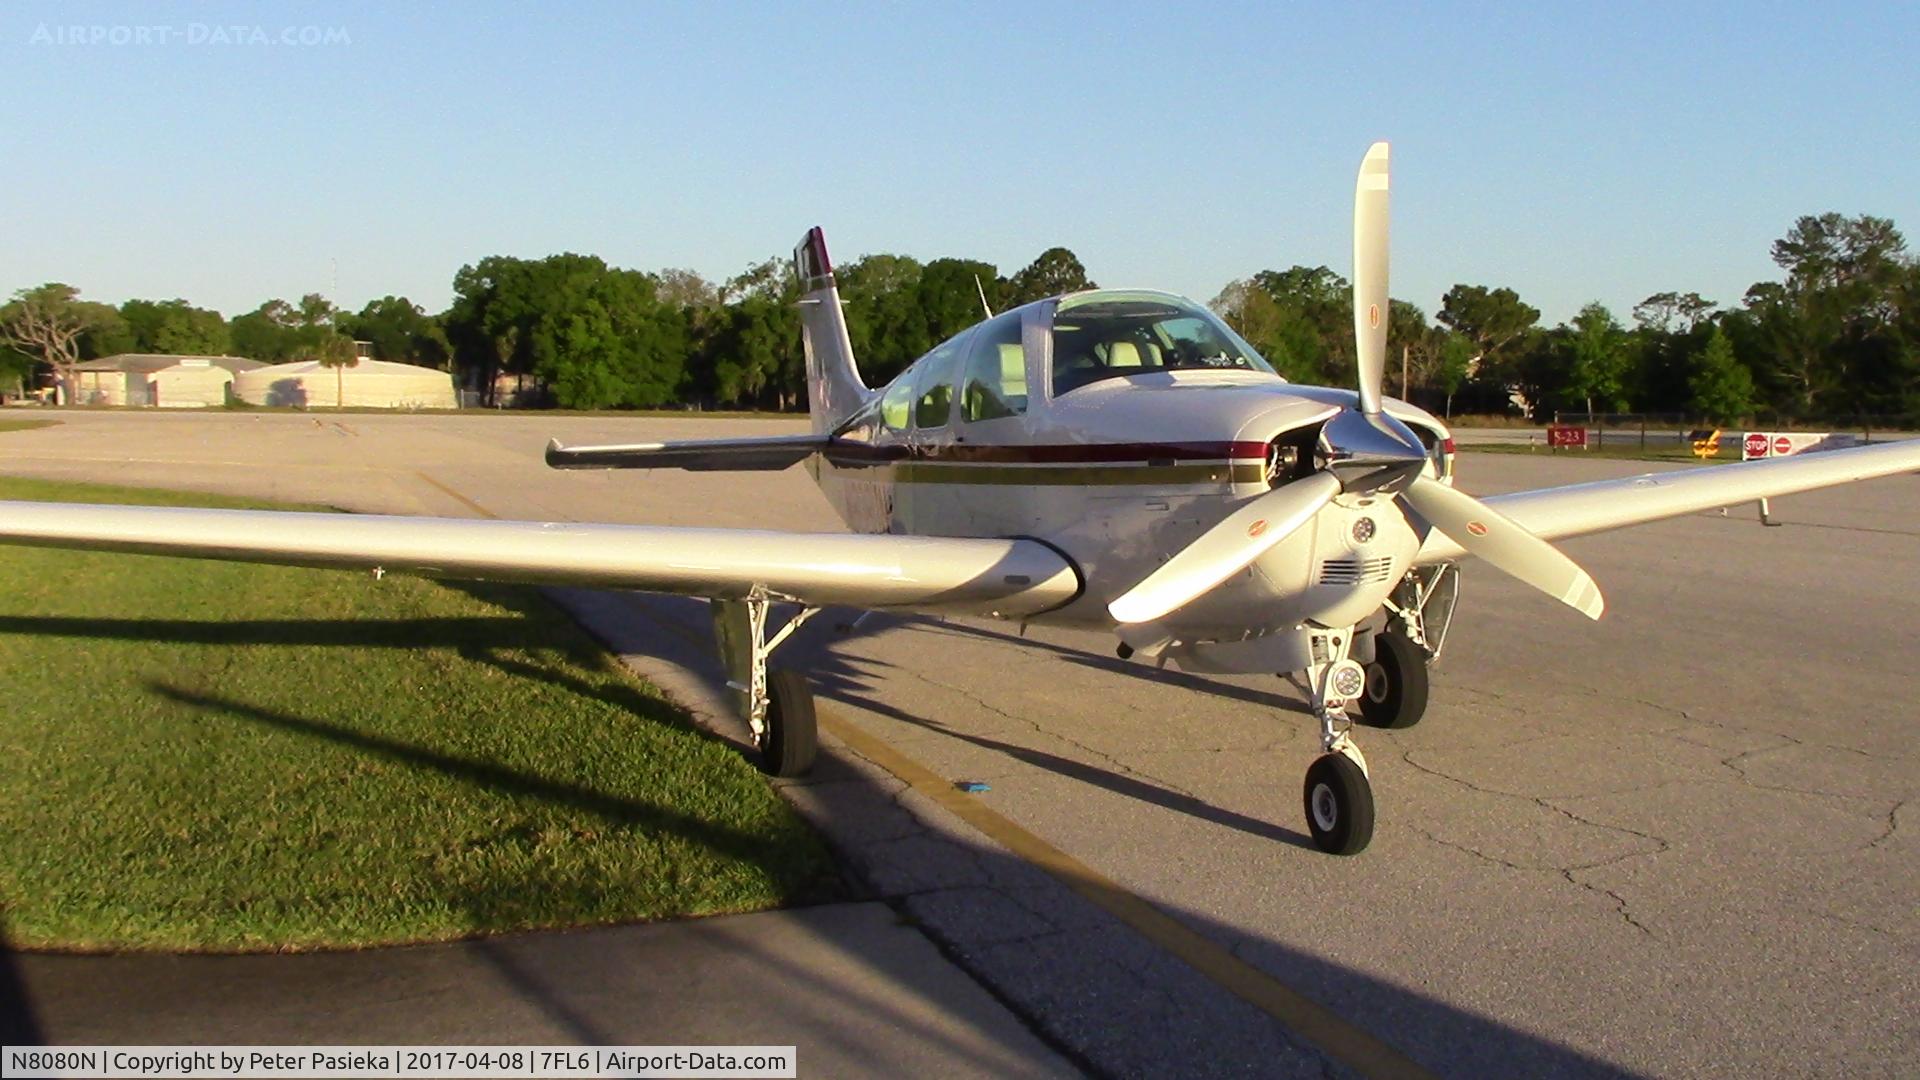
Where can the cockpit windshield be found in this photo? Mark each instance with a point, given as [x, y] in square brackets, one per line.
[1104, 336]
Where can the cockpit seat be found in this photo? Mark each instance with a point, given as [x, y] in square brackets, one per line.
[1128, 354]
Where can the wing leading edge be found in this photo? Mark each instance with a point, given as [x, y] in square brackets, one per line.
[1005, 577]
[1579, 509]
[771, 452]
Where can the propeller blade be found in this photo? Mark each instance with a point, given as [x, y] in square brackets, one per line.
[1509, 547]
[1370, 303]
[1225, 549]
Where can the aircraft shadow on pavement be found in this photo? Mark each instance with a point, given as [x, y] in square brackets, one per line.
[1443, 1037]
[18, 1024]
[1112, 1032]
[1131, 669]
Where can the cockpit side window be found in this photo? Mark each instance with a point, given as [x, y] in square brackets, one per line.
[1102, 338]
[993, 384]
[922, 395]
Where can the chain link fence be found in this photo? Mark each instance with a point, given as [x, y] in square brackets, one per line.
[1662, 430]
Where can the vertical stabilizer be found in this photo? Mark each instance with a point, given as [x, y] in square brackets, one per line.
[834, 389]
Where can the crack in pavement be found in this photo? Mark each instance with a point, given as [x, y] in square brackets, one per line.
[1620, 904]
[1893, 822]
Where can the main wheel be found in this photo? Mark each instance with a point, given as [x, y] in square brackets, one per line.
[791, 735]
[1396, 693]
[1339, 805]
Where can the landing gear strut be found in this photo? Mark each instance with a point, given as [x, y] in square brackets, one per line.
[1338, 796]
[1419, 614]
[776, 703]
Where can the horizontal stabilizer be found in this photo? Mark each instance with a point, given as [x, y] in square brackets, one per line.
[768, 453]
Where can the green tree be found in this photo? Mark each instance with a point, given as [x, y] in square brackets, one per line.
[399, 330]
[175, 327]
[1598, 348]
[596, 336]
[336, 351]
[1056, 271]
[277, 331]
[1300, 319]
[1495, 321]
[1722, 387]
[1454, 366]
[1826, 337]
[885, 322]
[948, 293]
[1414, 344]
[46, 324]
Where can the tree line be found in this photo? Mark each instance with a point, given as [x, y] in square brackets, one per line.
[1838, 335]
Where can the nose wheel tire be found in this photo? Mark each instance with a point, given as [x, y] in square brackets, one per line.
[1339, 803]
[790, 735]
[1396, 691]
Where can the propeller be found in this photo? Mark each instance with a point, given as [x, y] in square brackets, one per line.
[1360, 451]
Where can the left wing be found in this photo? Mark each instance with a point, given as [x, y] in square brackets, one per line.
[920, 573]
[770, 452]
[1579, 509]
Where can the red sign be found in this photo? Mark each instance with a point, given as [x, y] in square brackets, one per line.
[1782, 446]
[1756, 445]
[1558, 436]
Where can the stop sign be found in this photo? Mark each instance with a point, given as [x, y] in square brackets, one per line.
[1782, 446]
[1756, 445]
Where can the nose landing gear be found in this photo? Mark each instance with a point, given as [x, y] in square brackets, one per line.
[1338, 795]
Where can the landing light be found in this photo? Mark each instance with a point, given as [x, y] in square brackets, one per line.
[1348, 680]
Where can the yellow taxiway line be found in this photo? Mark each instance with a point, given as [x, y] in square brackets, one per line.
[1313, 1021]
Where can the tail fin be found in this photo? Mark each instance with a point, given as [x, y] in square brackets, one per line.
[834, 389]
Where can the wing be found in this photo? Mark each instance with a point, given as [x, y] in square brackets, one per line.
[1553, 513]
[1004, 577]
[772, 452]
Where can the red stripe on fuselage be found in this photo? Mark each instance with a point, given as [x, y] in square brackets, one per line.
[1054, 454]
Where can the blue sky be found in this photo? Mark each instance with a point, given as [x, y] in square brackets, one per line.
[1570, 152]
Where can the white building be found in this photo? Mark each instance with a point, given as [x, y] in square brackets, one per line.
[376, 384]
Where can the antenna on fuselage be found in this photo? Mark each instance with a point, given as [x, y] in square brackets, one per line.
[984, 306]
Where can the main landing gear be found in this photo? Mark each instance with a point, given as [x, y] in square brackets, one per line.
[776, 703]
[1418, 615]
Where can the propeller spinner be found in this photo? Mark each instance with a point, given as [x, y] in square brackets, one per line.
[1361, 450]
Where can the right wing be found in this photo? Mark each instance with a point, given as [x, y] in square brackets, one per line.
[769, 452]
[1579, 509]
[919, 573]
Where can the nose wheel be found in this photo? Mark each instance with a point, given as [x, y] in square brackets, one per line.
[1339, 803]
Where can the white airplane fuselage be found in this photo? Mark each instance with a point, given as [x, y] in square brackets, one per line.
[1120, 474]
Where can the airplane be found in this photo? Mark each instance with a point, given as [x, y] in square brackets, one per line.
[1117, 459]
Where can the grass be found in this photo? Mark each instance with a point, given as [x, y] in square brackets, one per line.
[1632, 452]
[26, 425]
[217, 756]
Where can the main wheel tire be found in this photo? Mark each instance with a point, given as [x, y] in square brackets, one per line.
[1396, 693]
[792, 734]
[1339, 805]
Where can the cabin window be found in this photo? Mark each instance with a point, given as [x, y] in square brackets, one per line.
[896, 405]
[1105, 336]
[994, 382]
[922, 395]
